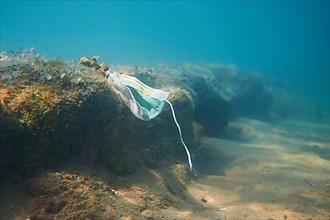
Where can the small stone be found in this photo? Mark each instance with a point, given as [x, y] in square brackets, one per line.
[203, 200]
[148, 214]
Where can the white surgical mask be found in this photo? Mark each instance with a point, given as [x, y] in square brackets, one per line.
[145, 102]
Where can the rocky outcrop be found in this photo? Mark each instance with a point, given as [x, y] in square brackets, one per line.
[52, 112]
[220, 93]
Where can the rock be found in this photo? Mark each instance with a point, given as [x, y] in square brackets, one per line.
[148, 214]
[253, 100]
[211, 111]
[222, 92]
[56, 206]
[46, 122]
[74, 113]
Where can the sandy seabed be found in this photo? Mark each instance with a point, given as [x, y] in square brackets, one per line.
[255, 170]
[268, 171]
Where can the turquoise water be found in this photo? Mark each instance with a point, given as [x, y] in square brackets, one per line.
[69, 148]
[287, 39]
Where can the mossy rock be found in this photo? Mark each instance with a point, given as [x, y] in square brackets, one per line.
[53, 112]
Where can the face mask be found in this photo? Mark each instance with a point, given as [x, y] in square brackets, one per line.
[145, 102]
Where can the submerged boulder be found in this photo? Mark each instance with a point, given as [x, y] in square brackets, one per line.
[220, 93]
[212, 111]
[52, 112]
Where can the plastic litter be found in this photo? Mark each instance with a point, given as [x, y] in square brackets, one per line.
[145, 102]
[48, 76]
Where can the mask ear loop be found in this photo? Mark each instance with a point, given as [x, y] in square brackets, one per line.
[179, 129]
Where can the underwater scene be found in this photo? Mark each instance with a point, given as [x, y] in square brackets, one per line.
[205, 110]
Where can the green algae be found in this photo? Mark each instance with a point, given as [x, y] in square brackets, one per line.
[57, 112]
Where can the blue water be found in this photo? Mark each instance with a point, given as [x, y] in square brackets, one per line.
[286, 39]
